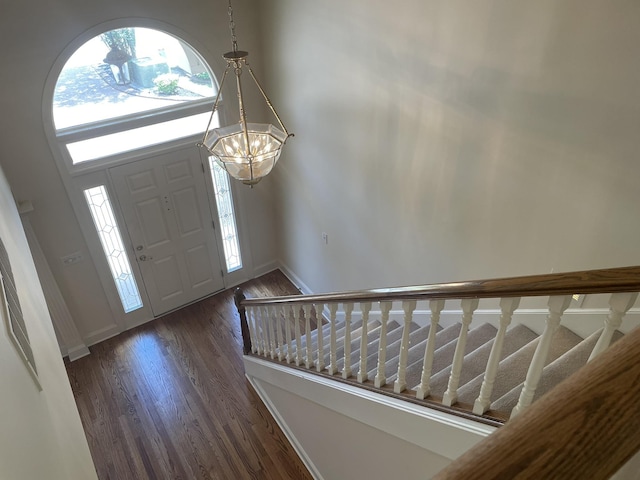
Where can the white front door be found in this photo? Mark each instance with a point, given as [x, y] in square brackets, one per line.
[166, 210]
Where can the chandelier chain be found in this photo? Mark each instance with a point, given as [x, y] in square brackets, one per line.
[232, 27]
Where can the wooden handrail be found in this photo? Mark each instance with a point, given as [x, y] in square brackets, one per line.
[586, 427]
[610, 280]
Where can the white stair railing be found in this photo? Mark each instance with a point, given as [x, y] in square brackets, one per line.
[272, 337]
[317, 316]
[380, 378]
[400, 384]
[296, 322]
[507, 308]
[287, 332]
[264, 323]
[348, 310]
[365, 308]
[619, 305]
[469, 305]
[557, 306]
[255, 344]
[308, 358]
[422, 390]
[333, 361]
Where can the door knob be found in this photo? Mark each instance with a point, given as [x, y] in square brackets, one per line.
[143, 258]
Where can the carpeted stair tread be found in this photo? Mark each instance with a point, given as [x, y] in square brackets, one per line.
[355, 329]
[373, 334]
[415, 358]
[416, 348]
[393, 351]
[555, 372]
[475, 362]
[513, 369]
[443, 357]
[444, 337]
[394, 333]
[356, 332]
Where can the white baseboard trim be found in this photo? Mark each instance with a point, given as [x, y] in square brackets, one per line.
[297, 281]
[79, 351]
[265, 268]
[101, 335]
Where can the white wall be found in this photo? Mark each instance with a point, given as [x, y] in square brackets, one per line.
[41, 435]
[34, 36]
[442, 141]
[342, 431]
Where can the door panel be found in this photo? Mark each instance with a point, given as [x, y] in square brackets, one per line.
[166, 211]
[153, 227]
[187, 212]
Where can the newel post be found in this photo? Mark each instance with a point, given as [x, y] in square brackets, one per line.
[244, 326]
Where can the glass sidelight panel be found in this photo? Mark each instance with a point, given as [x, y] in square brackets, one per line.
[226, 216]
[111, 240]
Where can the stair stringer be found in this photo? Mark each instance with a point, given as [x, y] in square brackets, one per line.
[342, 431]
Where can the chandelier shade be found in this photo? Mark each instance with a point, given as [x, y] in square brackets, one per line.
[247, 155]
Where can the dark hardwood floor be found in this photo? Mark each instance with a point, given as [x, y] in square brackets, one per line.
[169, 400]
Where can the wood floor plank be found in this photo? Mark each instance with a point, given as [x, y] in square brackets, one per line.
[169, 399]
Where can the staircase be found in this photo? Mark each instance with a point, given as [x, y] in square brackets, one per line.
[568, 352]
[482, 364]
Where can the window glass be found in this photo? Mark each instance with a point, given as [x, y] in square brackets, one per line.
[226, 216]
[125, 141]
[111, 240]
[128, 71]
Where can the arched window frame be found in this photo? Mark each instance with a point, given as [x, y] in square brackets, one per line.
[58, 139]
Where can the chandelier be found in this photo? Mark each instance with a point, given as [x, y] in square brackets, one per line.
[247, 151]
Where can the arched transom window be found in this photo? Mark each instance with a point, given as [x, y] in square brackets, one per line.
[130, 88]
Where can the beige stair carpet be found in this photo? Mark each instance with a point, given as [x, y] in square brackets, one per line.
[555, 372]
[393, 351]
[443, 357]
[513, 369]
[416, 354]
[475, 363]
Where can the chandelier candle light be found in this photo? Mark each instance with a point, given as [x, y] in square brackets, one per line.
[247, 151]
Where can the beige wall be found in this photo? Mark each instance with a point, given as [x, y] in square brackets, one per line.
[442, 141]
[41, 434]
[33, 37]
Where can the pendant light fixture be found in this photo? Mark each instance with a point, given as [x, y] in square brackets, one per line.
[247, 151]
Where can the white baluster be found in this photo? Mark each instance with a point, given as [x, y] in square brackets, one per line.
[401, 384]
[333, 362]
[436, 307]
[306, 309]
[507, 307]
[296, 322]
[619, 305]
[264, 319]
[251, 319]
[450, 397]
[348, 309]
[557, 306]
[287, 332]
[381, 378]
[262, 331]
[275, 314]
[272, 336]
[365, 308]
[317, 315]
